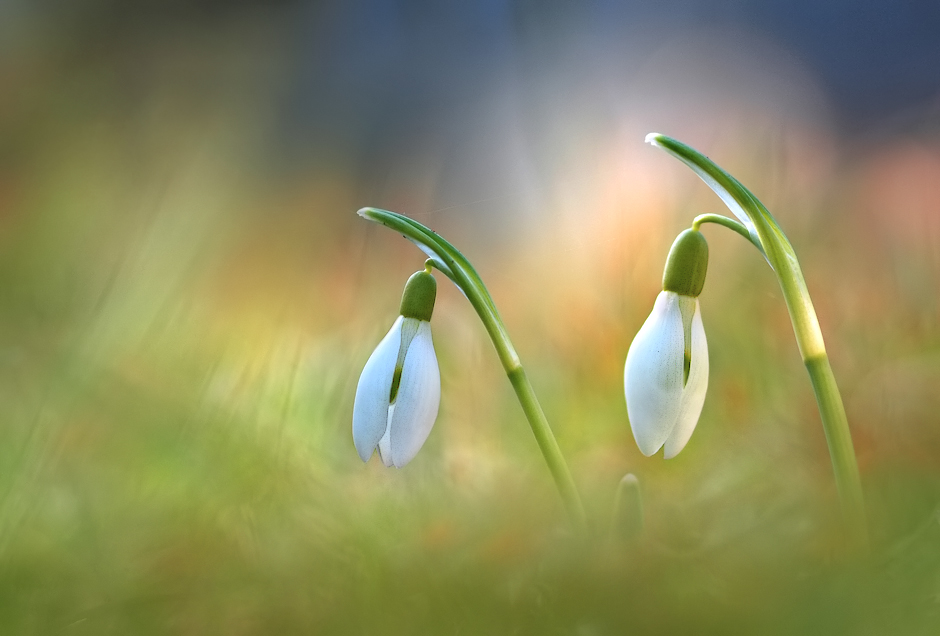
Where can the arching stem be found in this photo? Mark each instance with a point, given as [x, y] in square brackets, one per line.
[731, 224]
[762, 230]
[455, 266]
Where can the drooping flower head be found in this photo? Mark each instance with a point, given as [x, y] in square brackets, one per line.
[399, 391]
[666, 373]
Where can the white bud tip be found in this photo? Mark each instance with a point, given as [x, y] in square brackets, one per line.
[652, 138]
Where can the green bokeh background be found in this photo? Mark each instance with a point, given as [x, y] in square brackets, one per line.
[184, 315]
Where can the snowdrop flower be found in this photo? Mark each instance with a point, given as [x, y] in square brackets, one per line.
[666, 374]
[400, 387]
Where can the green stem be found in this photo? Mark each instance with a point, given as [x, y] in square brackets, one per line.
[455, 266]
[762, 230]
[725, 221]
[840, 446]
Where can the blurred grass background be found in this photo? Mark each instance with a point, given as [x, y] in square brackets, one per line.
[187, 299]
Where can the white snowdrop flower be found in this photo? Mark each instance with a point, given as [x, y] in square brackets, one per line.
[666, 373]
[399, 390]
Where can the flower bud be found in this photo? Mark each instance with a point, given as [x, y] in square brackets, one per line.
[399, 391]
[417, 301]
[686, 264]
[666, 373]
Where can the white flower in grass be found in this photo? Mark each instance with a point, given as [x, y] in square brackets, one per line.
[399, 390]
[666, 373]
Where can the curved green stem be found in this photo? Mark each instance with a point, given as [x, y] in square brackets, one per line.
[455, 266]
[731, 224]
[764, 232]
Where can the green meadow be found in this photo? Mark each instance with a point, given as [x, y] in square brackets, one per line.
[184, 318]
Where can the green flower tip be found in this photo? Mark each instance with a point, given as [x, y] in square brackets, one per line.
[686, 264]
[417, 301]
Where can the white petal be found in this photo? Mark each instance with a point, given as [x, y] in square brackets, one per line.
[385, 444]
[370, 410]
[419, 396]
[693, 395]
[653, 375]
